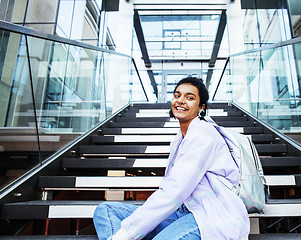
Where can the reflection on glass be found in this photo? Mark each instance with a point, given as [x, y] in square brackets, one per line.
[53, 92]
[265, 22]
[267, 84]
[19, 147]
[295, 16]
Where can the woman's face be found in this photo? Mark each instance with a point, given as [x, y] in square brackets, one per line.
[185, 102]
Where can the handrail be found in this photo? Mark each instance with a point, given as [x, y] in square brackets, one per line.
[12, 186]
[274, 45]
[275, 131]
[7, 26]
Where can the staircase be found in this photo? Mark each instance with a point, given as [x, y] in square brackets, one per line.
[125, 161]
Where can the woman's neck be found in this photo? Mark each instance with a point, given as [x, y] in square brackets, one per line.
[184, 127]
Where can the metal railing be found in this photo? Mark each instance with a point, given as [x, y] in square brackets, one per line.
[53, 90]
[266, 82]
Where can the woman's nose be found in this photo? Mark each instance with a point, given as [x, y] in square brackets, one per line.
[180, 100]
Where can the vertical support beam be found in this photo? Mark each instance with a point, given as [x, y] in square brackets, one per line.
[153, 81]
[216, 46]
[141, 40]
[218, 38]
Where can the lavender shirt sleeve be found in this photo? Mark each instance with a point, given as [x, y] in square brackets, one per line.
[195, 155]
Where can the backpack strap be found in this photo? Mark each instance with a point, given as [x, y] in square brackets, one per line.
[228, 184]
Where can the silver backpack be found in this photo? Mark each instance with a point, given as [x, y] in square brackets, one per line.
[251, 186]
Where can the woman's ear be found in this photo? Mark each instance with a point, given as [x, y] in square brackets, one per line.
[202, 107]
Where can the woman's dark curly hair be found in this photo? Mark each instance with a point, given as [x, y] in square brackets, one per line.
[203, 93]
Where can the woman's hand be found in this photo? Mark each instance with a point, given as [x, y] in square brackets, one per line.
[121, 235]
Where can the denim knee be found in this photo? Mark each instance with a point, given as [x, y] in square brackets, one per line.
[100, 209]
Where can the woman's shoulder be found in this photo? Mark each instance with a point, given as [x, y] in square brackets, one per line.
[199, 128]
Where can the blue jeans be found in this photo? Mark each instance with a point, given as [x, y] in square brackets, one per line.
[180, 225]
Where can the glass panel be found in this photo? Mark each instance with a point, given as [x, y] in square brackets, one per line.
[74, 88]
[72, 100]
[295, 16]
[18, 133]
[116, 72]
[41, 11]
[267, 84]
[64, 18]
[281, 105]
[265, 22]
[19, 11]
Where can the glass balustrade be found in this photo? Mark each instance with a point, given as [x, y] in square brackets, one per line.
[266, 83]
[51, 92]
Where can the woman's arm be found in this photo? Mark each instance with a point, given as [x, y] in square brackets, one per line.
[195, 155]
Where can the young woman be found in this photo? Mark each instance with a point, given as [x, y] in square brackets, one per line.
[191, 202]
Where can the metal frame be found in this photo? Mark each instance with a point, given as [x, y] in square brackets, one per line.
[6, 26]
[275, 45]
[141, 39]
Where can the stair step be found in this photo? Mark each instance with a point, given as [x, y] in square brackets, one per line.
[150, 105]
[172, 124]
[167, 109]
[163, 139]
[133, 139]
[278, 236]
[85, 209]
[149, 182]
[124, 163]
[106, 163]
[52, 209]
[123, 150]
[212, 112]
[276, 162]
[167, 119]
[115, 131]
[167, 105]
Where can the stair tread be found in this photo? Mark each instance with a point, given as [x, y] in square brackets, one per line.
[139, 181]
[122, 163]
[167, 119]
[123, 149]
[162, 131]
[174, 124]
[85, 209]
[140, 139]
